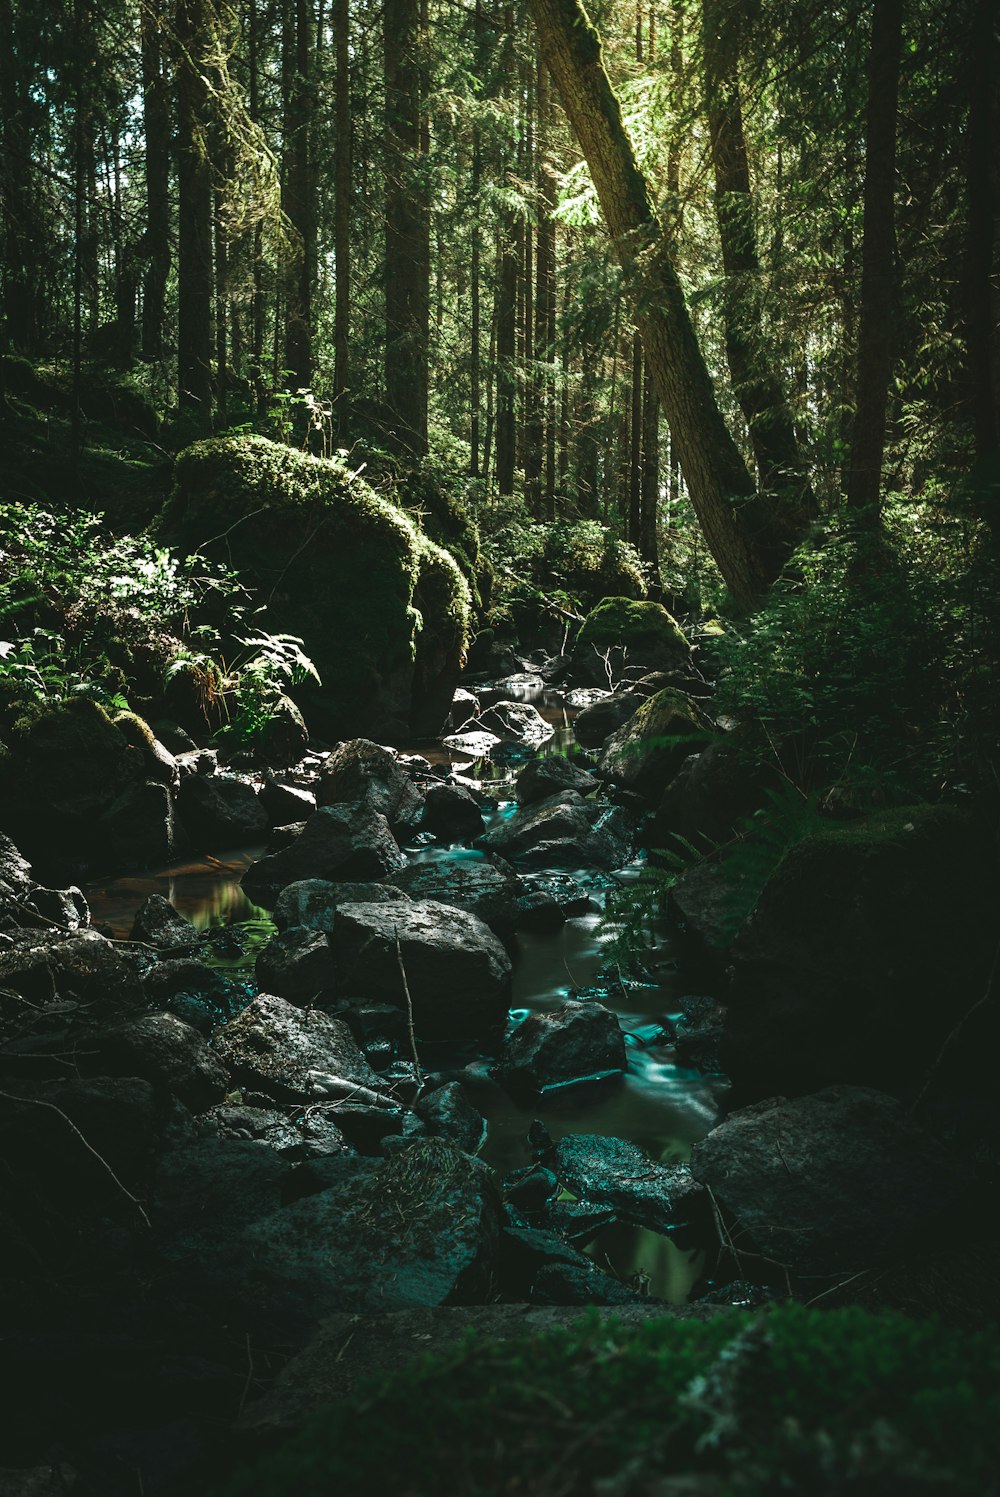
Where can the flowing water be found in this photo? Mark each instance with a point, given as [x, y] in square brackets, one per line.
[657, 1103]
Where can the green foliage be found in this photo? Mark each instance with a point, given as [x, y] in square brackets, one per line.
[790, 1399]
[271, 663]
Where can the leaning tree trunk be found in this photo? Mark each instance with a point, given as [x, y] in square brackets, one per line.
[742, 530]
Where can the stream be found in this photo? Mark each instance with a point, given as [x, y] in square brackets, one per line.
[658, 1104]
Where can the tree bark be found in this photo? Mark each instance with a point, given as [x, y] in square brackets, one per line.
[649, 498]
[506, 357]
[299, 188]
[194, 25]
[342, 209]
[878, 281]
[155, 244]
[981, 276]
[748, 543]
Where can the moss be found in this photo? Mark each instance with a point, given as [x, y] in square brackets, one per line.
[137, 733]
[649, 750]
[785, 1399]
[590, 563]
[337, 563]
[643, 628]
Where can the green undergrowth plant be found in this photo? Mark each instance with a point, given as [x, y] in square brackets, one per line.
[785, 1400]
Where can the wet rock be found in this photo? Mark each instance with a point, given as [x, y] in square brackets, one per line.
[141, 828]
[595, 724]
[166, 1052]
[337, 842]
[530, 1191]
[481, 883]
[292, 1054]
[640, 1190]
[581, 1284]
[80, 973]
[832, 1183]
[475, 743]
[313, 902]
[65, 908]
[563, 831]
[232, 1120]
[644, 754]
[448, 1114]
[457, 972]
[157, 923]
[574, 1042]
[296, 964]
[704, 906]
[286, 803]
[365, 774]
[566, 893]
[285, 737]
[372, 1129]
[464, 704]
[220, 811]
[163, 982]
[541, 778]
[709, 795]
[521, 686]
[451, 813]
[493, 657]
[513, 722]
[698, 1033]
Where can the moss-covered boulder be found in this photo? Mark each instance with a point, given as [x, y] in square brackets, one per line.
[629, 632]
[868, 946]
[383, 611]
[650, 748]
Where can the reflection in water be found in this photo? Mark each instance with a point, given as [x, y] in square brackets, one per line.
[647, 1260]
[205, 890]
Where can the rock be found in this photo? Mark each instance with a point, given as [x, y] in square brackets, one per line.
[512, 722]
[612, 1170]
[581, 1284]
[595, 724]
[15, 872]
[285, 737]
[78, 975]
[541, 778]
[698, 1033]
[574, 1042]
[173, 737]
[711, 793]
[313, 902]
[457, 972]
[296, 964]
[644, 754]
[866, 947]
[337, 842]
[219, 811]
[140, 829]
[292, 1054]
[521, 686]
[365, 774]
[563, 831]
[464, 704]
[829, 1184]
[481, 883]
[167, 1053]
[475, 743]
[705, 906]
[199, 994]
[157, 923]
[372, 1128]
[492, 657]
[207, 1192]
[66, 908]
[286, 803]
[531, 1190]
[451, 814]
[629, 633]
[448, 1114]
[233, 1120]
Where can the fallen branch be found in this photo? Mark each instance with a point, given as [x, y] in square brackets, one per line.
[418, 1073]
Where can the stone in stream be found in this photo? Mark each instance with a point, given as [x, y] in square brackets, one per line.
[541, 778]
[642, 1191]
[221, 810]
[595, 724]
[513, 722]
[519, 687]
[296, 964]
[313, 902]
[484, 885]
[76, 976]
[364, 774]
[476, 743]
[631, 632]
[451, 813]
[574, 1042]
[542, 1268]
[166, 1052]
[448, 1113]
[292, 1054]
[157, 923]
[456, 971]
[65, 908]
[564, 831]
[286, 803]
[833, 1183]
[337, 842]
[646, 753]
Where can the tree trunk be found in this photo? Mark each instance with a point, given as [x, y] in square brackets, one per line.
[298, 188]
[156, 118]
[756, 384]
[635, 440]
[194, 23]
[748, 543]
[506, 357]
[342, 210]
[878, 281]
[981, 190]
[649, 499]
[407, 233]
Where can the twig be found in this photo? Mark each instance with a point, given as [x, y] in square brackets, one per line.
[834, 1287]
[51, 1107]
[418, 1073]
[249, 1378]
[954, 1033]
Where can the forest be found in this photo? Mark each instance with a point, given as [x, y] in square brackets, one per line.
[499, 747]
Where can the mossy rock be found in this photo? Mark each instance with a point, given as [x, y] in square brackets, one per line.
[637, 632]
[650, 748]
[383, 611]
[589, 562]
[868, 946]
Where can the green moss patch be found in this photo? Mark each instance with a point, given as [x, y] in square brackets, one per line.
[789, 1399]
[643, 628]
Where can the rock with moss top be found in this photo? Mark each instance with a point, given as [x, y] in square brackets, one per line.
[646, 753]
[383, 610]
[365, 774]
[627, 632]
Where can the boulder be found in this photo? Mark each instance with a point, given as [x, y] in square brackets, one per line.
[140, 829]
[563, 831]
[594, 725]
[15, 873]
[337, 842]
[167, 1053]
[313, 1135]
[383, 609]
[475, 743]
[197, 993]
[709, 795]
[829, 1184]
[447, 1113]
[541, 778]
[628, 632]
[285, 737]
[706, 905]
[481, 883]
[219, 811]
[367, 775]
[512, 722]
[296, 964]
[65, 908]
[285, 803]
[292, 1054]
[451, 814]
[646, 753]
[611, 1170]
[77, 976]
[571, 1043]
[867, 947]
[313, 902]
[456, 971]
[157, 923]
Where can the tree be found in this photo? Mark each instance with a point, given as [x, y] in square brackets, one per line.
[194, 23]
